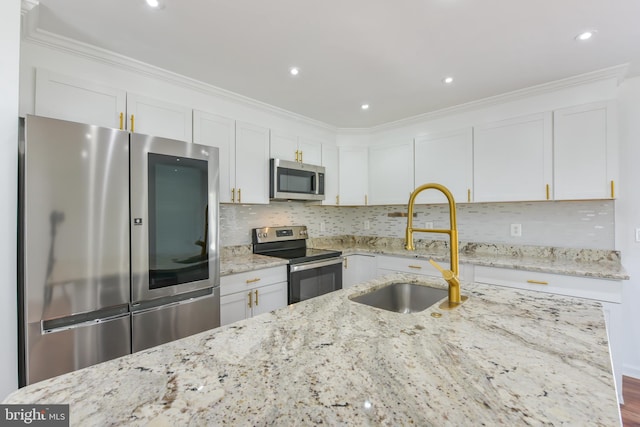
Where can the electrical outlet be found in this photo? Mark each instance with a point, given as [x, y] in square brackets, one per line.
[323, 226]
[428, 224]
[516, 230]
[367, 225]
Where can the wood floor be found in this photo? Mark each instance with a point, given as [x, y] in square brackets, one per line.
[631, 408]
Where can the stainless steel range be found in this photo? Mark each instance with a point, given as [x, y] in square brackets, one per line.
[312, 272]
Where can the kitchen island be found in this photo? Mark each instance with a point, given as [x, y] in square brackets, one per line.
[505, 356]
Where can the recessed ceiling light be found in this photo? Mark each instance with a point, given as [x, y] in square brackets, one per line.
[153, 3]
[294, 71]
[585, 36]
[365, 106]
[447, 80]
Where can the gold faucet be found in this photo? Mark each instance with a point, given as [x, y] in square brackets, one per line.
[451, 275]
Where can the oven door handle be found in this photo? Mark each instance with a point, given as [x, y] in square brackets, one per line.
[314, 264]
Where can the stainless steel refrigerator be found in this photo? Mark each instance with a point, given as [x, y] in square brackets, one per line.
[118, 244]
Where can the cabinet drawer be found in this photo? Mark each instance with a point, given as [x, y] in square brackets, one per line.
[250, 279]
[409, 265]
[581, 287]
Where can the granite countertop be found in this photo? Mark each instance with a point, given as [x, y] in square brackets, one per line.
[603, 264]
[505, 356]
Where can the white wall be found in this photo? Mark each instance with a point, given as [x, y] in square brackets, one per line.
[628, 219]
[10, 51]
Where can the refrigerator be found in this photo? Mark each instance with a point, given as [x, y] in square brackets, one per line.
[118, 244]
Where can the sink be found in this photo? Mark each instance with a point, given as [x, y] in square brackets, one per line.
[402, 297]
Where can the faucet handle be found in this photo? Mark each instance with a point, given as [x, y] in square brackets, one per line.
[446, 274]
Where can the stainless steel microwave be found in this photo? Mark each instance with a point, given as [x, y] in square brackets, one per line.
[295, 181]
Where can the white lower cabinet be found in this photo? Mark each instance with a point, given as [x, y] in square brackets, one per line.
[607, 292]
[357, 269]
[248, 294]
[397, 264]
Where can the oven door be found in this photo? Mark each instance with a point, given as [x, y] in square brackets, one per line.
[174, 217]
[313, 279]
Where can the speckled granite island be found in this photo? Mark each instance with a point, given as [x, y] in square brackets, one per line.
[504, 357]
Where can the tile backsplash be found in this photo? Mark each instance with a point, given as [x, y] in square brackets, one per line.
[575, 224]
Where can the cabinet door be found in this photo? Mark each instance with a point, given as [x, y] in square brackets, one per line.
[310, 151]
[331, 178]
[353, 165]
[357, 269]
[252, 163]
[234, 307]
[218, 131]
[158, 118]
[284, 146]
[68, 98]
[269, 298]
[445, 159]
[390, 174]
[583, 152]
[512, 159]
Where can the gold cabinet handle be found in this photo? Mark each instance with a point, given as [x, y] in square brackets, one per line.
[133, 122]
[366, 200]
[297, 158]
[469, 195]
[417, 267]
[613, 190]
[121, 121]
[300, 156]
[537, 282]
[233, 195]
[256, 291]
[250, 299]
[346, 262]
[257, 279]
[547, 191]
[337, 200]
[239, 195]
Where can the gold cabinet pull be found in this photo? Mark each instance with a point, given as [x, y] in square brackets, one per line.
[233, 195]
[239, 195]
[256, 291]
[300, 156]
[547, 191]
[417, 267]
[337, 200]
[366, 200]
[537, 282]
[297, 154]
[469, 195]
[250, 299]
[133, 122]
[121, 121]
[257, 279]
[613, 190]
[346, 262]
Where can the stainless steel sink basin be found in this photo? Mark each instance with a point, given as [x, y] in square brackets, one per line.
[402, 297]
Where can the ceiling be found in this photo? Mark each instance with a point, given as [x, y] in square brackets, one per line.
[390, 54]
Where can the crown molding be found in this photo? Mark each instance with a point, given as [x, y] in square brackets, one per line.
[38, 36]
[27, 5]
[618, 72]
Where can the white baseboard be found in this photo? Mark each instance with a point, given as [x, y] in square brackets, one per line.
[631, 371]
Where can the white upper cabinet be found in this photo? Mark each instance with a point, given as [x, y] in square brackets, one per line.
[218, 131]
[446, 159]
[158, 118]
[513, 159]
[77, 100]
[252, 164]
[353, 173]
[331, 178]
[390, 174]
[295, 149]
[584, 152]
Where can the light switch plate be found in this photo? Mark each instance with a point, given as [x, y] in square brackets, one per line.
[516, 230]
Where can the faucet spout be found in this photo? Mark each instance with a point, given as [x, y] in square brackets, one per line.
[451, 275]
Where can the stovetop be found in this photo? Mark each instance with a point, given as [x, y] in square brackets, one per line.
[288, 243]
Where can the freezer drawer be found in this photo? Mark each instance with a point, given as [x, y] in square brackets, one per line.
[174, 320]
[71, 348]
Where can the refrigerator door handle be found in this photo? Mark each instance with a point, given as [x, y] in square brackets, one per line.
[165, 302]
